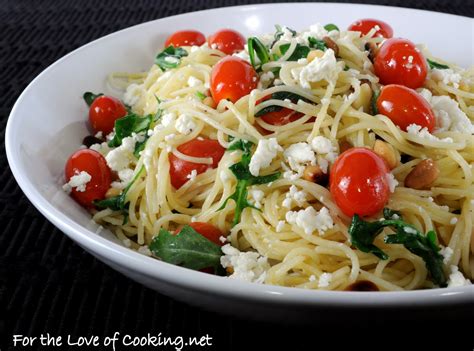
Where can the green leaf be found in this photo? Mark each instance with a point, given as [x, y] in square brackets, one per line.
[90, 97]
[255, 46]
[330, 27]
[391, 214]
[434, 64]
[317, 44]
[364, 233]
[188, 249]
[200, 95]
[125, 126]
[244, 179]
[301, 51]
[279, 33]
[280, 95]
[170, 57]
[373, 102]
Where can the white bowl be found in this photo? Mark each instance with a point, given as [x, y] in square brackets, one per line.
[48, 123]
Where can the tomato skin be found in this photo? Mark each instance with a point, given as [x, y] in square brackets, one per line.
[227, 40]
[366, 24]
[398, 61]
[282, 117]
[95, 164]
[185, 38]
[358, 182]
[405, 106]
[180, 169]
[103, 113]
[207, 230]
[232, 78]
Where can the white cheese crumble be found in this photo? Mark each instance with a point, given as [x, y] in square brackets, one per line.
[447, 253]
[323, 68]
[298, 155]
[185, 124]
[222, 239]
[392, 182]
[120, 157]
[78, 182]
[324, 280]
[102, 148]
[266, 151]
[409, 230]
[242, 55]
[310, 220]
[247, 266]
[456, 278]
[167, 119]
[133, 94]
[125, 176]
[257, 196]
[417, 130]
[191, 176]
[171, 59]
[298, 196]
[99, 135]
[447, 76]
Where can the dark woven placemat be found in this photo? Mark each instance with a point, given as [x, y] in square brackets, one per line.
[50, 285]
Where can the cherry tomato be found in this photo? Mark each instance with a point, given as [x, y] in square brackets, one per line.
[103, 113]
[232, 78]
[185, 38]
[366, 24]
[358, 182]
[404, 106]
[227, 40]
[207, 230]
[281, 117]
[180, 169]
[95, 165]
[398, 61]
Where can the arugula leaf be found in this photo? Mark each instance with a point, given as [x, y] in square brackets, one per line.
[90, 97]
[280, 95]
[139, 146]
[131, 123]
[364, 233]
[244, 179]
[170, 57]
[188, 249]
[301, 51]
[330, 27]
[317, 44]
[434, 64]
[119, 202]
[373, 103]
[255, 46]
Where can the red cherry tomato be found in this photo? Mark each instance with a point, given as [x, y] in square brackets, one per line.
[103, 113]
[358, 182]
[180, 169]
[207, 230]
[185, 38]
[95, 165]
[404, 106]
[281, 117]
[398, 61]
[227, 40]
[232, 78]
[366, 24]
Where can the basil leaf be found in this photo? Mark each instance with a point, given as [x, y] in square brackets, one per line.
[280, 95]
[317, 44]
[255, 46]
[364, 233]
[170, 57]
[330, 27]
[200, 95]
[90, 97]
[391, 214]
[188, 249]
[301, 51]
[244, 179]
[279, 33]
[434, 64]
[373, 103]
[125, 126]
[268, 109]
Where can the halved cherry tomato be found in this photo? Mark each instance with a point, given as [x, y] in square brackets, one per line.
[358, 182]
[281, 117]
[404, 106]
[95, 165]
[398, 61]
[207, 230]
[232, 78]
[366, 24]
[185, 38]
[180, 169]
[103, 113]
[227, 40]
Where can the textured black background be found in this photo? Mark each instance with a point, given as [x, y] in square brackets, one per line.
[49, 284]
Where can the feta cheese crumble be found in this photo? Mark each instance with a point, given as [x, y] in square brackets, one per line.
[266, 151]
[447, 76]
[456, 278]
[298, 196]
[185, 124]
[298, 155]
[248, 266]
[324, 280]
[191, 176]
[78, 182]
[417, 130]
[324, 68]
[310, 220]
[447, 253]
[133, 94]
[257, 196]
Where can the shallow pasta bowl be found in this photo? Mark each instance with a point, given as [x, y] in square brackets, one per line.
[38, 144]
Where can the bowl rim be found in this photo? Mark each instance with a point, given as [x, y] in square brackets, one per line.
[187, 278]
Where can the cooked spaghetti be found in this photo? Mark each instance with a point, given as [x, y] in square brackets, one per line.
[279, 219]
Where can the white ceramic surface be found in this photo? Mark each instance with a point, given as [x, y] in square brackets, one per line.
[48, 123]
